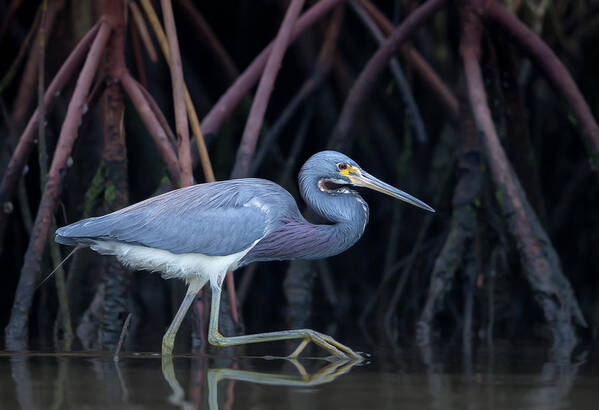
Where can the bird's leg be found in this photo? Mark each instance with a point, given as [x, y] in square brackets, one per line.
[307, 335]
[168, 341]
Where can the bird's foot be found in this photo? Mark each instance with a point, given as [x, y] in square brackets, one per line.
[339, 350]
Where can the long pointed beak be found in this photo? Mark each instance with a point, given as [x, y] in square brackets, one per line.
[366, 180]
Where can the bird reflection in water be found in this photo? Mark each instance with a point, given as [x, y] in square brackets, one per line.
[502, 377]
[329, 372]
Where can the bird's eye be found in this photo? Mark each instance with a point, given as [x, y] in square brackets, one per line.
[341, 166]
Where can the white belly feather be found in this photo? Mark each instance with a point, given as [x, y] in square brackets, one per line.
[185, 266]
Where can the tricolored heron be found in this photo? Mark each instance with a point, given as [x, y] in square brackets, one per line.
[200, 232]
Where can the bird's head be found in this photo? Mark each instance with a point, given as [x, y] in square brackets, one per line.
[336, 173]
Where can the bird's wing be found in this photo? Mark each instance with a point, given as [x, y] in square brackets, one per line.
[213, 219]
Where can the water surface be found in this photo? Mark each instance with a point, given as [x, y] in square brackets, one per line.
[514, 377]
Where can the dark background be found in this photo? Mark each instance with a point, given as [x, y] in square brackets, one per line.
[535, 124]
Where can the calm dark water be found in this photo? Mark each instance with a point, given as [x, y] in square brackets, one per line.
[512, 377]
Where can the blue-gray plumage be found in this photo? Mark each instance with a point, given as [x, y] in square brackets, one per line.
[199, 232]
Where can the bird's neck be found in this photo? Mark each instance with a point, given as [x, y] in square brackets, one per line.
[297, 238]
[347, 212]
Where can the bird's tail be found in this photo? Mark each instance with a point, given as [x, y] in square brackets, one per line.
[59, 265]
[64, 235]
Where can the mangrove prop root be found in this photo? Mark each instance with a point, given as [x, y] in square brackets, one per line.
[249, 138]
[176, 69]
[462, 227]
[17, 330]
[225, 105]
[539, 260]
[116, 279]
[374, 68]
[19, 157]
[554, 69]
